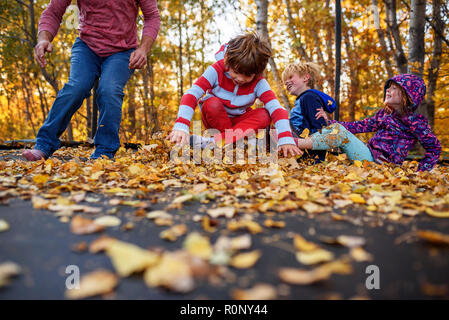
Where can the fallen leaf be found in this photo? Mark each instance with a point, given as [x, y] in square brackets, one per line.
[80, 225]
[93, 284]
[360, 255]
[252, 226]
[437, 214]
[128, 258]
[100, 244]
[245, 260]
[108, 221]
[258, 292]
[7, 271]
[274, 224]
[323, 272]
[198, 246]
[171, 273]
[174, 232]
[314, 257]
[4, 225]
[344, 240]
[434, 236]
[227, 212]
[302, 244]
[356, 198]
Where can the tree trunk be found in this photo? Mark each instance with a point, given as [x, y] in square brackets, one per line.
[436, 60]
[381, 36]
[132, 107]
[337, 57]
[329, 67]
[393, 28]
[262, 28]
[89, 116]
[416, 37]
[181, 82]
[153, 113]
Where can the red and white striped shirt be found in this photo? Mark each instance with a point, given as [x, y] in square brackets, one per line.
[216, 82]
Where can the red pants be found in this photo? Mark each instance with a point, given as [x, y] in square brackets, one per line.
[214, 116]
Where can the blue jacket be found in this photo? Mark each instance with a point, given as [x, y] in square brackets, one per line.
[303, 114]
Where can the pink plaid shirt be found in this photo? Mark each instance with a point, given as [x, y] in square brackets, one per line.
[106, 27]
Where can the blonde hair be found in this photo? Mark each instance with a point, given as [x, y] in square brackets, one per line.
[302, 69]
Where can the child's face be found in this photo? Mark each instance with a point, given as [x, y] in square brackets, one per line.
[240, 78]
[393, 96]
[296, 84]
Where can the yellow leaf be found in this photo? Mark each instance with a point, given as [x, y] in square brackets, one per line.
[356, 198]
[358, 163]
[40, 178]
[245, 260]
[437, 214]
[360, 255]
[174, 232]
[314, 257]
[302, 244]
[171, 273]
[258, 292]
[128, 258]
[305, 133]
[198, 246]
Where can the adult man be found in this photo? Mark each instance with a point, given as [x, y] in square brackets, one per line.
[107, 48]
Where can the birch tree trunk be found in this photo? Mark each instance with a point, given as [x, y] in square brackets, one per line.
[262, 28]
[381, 35]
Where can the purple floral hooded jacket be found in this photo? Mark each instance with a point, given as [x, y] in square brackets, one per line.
[396, 134]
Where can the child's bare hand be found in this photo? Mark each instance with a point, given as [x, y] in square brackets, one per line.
[290, 149]
[322, 114]
[178, 137]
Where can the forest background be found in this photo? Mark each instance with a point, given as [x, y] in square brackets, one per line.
[380, 38]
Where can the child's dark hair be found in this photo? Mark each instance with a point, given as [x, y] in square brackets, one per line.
[248, 54]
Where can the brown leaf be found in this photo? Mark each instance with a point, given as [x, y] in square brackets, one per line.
[434, 237]
[80, 225]
[258, 292]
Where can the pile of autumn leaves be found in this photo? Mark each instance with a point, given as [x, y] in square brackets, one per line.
[239, 193]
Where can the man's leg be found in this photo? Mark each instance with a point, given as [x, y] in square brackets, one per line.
[114, 75]
[84, 69]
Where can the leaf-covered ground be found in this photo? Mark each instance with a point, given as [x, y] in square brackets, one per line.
[142, 227]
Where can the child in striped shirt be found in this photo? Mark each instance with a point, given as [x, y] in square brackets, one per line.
[227, 90]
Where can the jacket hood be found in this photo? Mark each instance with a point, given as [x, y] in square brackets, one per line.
[413, 85]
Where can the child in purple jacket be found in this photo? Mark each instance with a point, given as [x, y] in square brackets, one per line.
[397, 128]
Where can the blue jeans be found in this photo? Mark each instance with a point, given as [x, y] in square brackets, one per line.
[85, 68]
[337, 136]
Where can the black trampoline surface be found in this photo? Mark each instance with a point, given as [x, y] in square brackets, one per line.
[410, 268]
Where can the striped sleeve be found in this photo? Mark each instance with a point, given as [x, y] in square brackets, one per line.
[190, 99]
[277, 113]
